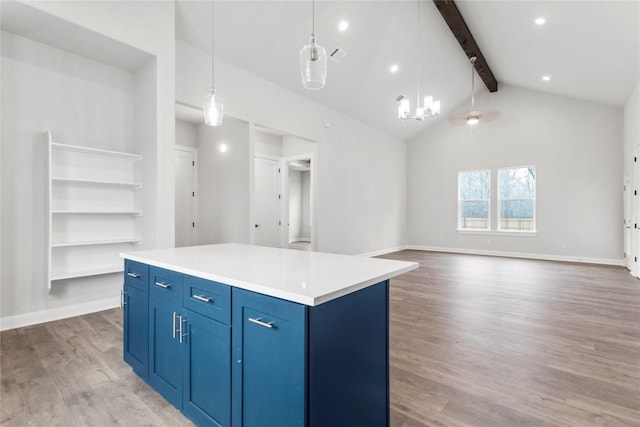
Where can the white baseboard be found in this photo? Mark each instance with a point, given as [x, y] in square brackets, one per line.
[546, 257]
[36, 317]
[383, 251]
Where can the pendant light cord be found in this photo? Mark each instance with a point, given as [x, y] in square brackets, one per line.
[213, 70]
[418, 60]
[313, 18]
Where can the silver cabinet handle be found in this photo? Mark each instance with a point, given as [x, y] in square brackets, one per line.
[163, 285]
[259, 321]
[181, 334]
[202, 298]
[174, 324]
[122, 300]
[134, 275]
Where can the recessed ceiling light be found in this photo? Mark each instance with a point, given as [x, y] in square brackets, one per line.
[343, 25]
[540, 21]
[394, 68]
[546, 78]
[223, 148]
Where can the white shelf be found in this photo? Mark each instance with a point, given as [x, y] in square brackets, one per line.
[92, 202]
[80, 149]
[133, 213]
[94, 242]
[96, 182]
[87, 273]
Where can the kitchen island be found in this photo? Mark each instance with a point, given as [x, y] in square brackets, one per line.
[239, 335]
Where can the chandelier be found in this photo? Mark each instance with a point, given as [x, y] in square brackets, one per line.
[430, 107]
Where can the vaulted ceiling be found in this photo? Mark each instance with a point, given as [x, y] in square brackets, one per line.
[590, 49]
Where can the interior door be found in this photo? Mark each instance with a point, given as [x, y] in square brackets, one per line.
[267, 200]
[185, 197]
[628, 221]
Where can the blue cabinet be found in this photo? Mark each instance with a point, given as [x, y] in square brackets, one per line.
[325, 365]
[230, 357]
[166, 334]
[207, 371]
[136, 317]
[269, 351]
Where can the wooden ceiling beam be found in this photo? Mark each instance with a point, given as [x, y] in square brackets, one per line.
[458, 27]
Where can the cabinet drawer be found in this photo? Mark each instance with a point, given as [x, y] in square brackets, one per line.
[211, 299]
[136, 274]
[166, 284]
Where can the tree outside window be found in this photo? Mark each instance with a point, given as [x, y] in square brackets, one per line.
[517, 199]
[474, 195]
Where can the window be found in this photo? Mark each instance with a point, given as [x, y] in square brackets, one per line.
[474, 195]
[517, 199]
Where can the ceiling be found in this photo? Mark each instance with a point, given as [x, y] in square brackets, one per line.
[590, 49]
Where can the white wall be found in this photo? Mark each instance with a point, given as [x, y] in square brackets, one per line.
[89, 103]
[359, 209]
[186, 134]
[223, 183]
[576, 147]
[270, 145]
[47, 88]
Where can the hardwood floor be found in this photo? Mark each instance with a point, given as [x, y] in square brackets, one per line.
[485, 341]
[475, 341]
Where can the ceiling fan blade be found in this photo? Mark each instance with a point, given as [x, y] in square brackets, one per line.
[488, 116]
[457, 120]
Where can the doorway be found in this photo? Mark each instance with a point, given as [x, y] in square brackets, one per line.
[283, 198]
[298, 202]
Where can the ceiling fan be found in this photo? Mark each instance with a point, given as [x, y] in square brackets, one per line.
[473, 116]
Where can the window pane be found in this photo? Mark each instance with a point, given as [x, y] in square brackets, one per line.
[473, 185]
[516, 215]
[516, 183]
[474, 215]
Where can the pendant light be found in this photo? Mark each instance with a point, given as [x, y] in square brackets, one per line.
[212, 107]
[430, 107]
[313, 59]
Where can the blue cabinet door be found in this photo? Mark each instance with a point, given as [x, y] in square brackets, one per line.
[207, 371]
[269, 352]
[136, 329]
[166, 352]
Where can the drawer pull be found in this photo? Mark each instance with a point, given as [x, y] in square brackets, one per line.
[259, 321]
[134, 275]
[163, 285]
[202, 298]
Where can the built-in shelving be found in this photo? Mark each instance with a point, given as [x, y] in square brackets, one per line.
[94, 242]
[87, 273]
[95, 182]
[93, 207]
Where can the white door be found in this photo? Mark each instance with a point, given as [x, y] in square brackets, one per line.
[185, 197]
[628, 219]
[267, 204]
[635, 217]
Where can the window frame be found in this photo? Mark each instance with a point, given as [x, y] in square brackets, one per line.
[488, 200]
[499, 201]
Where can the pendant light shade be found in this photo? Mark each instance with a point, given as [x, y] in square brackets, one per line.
[313, 65]
[313, 59]
[212, 107]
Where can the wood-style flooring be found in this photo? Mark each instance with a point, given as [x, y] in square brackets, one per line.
[475, 341]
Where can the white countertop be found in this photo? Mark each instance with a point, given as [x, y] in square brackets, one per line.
[309, 278]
